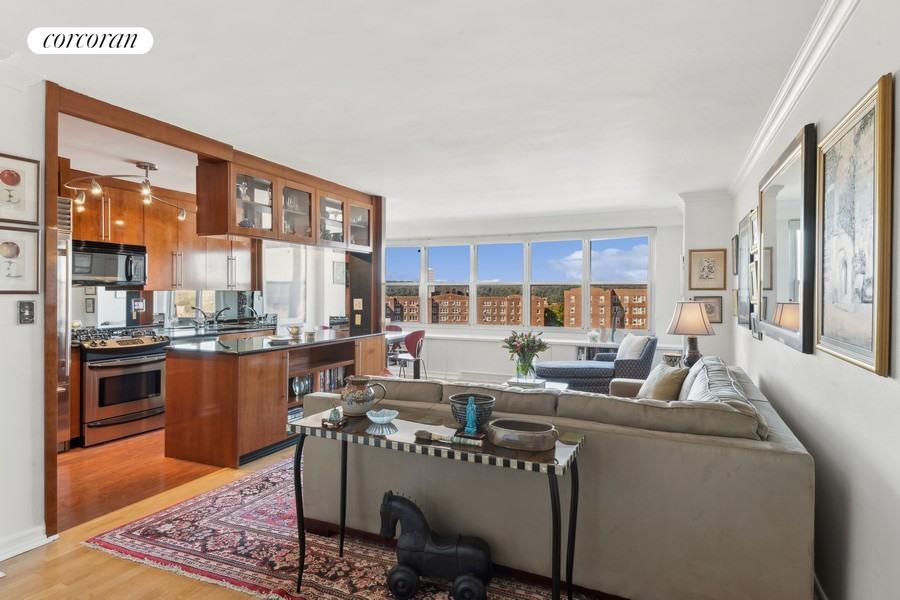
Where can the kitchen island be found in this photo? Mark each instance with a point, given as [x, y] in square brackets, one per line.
[227, 399]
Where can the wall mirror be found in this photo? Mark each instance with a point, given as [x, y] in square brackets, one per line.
[787, 214]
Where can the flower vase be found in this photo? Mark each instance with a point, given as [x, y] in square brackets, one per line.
[524, 367]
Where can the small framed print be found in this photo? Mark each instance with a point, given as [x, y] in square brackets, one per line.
[19, 260]
[339, 272]
[19, 187]
[754, 231]
[754, 282]
[707, 269]
[735, 253]
[90, 305]
[357, 304]
[713, 305]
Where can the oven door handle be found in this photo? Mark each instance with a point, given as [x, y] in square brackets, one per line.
[123, 362]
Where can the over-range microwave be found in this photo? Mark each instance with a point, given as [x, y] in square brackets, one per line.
[109, 265]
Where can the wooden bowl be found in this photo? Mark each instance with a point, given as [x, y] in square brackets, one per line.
[516, 434]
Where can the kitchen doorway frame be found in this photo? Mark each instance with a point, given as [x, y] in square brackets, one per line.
[59, 100]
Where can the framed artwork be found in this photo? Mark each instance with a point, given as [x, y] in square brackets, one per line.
[754, 231]
[90, 305]
[713, 305]
[743, 312]
[19, 260]
[854, 170]
[707, 269]
[735, 251]
[339, 272]
[20, 185]
[754, 282]
[767, 267]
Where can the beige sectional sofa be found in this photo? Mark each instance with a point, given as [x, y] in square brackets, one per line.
[705, 497]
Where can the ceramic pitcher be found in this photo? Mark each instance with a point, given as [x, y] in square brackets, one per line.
[358, 395]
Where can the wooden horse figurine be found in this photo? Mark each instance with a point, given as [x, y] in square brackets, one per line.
[421, 553]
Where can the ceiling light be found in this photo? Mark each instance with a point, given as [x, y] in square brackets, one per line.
[148, 199]
[96, 188]
[145, 188]
[80, 208]
[80, 198]
[182, 214]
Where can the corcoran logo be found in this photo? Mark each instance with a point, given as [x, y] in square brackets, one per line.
[90, 40]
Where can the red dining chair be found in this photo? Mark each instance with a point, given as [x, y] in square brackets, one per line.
[413, 342]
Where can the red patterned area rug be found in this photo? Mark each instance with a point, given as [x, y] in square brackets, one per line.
[244, 536]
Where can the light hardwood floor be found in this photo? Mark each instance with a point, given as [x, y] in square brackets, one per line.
[66, 569]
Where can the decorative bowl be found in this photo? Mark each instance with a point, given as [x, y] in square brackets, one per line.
[516, 434]
[383, 416]
[484, 406]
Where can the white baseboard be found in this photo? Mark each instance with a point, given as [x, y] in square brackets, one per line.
[820, 591]
[24, 541]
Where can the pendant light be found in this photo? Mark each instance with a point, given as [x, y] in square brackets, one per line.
[92, 185]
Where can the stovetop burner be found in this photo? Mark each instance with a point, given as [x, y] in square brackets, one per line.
[122, 340]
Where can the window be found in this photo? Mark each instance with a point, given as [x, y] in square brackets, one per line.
[619, 277]
[500, 272]
[402, 265]
[571, 283]
[284, 281]
[450, 267]
[560, 263]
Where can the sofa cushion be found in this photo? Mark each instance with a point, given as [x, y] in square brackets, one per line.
[702, 418]
[574, 369]
[413, 390]
[663, 383]
[632, 347]
[535, 401]
[689, 380]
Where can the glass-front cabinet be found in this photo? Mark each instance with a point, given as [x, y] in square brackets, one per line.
[360, 227]
[296, 220]
[331, 220]
[254, 206]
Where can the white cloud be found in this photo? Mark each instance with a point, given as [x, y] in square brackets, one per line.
[614, 265]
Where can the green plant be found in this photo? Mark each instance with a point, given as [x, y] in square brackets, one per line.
[523, 348]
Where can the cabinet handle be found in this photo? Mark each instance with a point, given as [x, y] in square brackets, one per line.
[232, 273]
[109, 219]
[181, 269]
[102, 217]
[174, 269]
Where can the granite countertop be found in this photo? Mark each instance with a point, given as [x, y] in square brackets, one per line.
[253, 345]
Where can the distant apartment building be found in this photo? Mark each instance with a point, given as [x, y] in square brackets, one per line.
[402, 308]
[631, 299]
[449, 307]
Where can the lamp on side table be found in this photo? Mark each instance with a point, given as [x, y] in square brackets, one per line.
[690, 320]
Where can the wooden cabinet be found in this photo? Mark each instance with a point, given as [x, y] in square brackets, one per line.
[359, 227]
[116, 216]
[331, 210]
[235, 200]
[190, 254]
[296, 215]
[229, 264]
[161, 227]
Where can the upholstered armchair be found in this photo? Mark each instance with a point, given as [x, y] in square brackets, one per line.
[595, 375]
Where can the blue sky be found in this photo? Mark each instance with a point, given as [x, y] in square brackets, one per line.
[617, 260]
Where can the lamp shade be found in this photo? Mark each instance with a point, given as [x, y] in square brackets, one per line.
[690, 319]
[787, 315]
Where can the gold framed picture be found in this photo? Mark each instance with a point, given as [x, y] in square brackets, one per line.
[19, 188]
[853, 258]
[707, 269]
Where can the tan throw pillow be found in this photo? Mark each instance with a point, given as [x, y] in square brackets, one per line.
[663, 383]
[632, 346]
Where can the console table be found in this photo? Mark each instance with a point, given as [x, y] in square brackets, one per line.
[553, 463]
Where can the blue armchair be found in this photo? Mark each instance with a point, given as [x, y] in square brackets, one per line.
[595, 375]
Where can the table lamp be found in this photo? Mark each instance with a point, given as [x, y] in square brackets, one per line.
[690, 320]
[787, 315]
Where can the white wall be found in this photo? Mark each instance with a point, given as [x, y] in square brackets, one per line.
[475, 353]
[707, 224]
[848, 418]
[22, 367]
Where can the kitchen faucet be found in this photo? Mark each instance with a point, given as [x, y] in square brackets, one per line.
[218, 314]
[202, 312]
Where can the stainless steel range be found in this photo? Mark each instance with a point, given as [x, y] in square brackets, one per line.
[124, 382]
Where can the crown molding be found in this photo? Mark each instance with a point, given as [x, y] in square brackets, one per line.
[829, 23]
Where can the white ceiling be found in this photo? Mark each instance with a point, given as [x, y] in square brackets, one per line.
[456, 107]
[104, 151]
